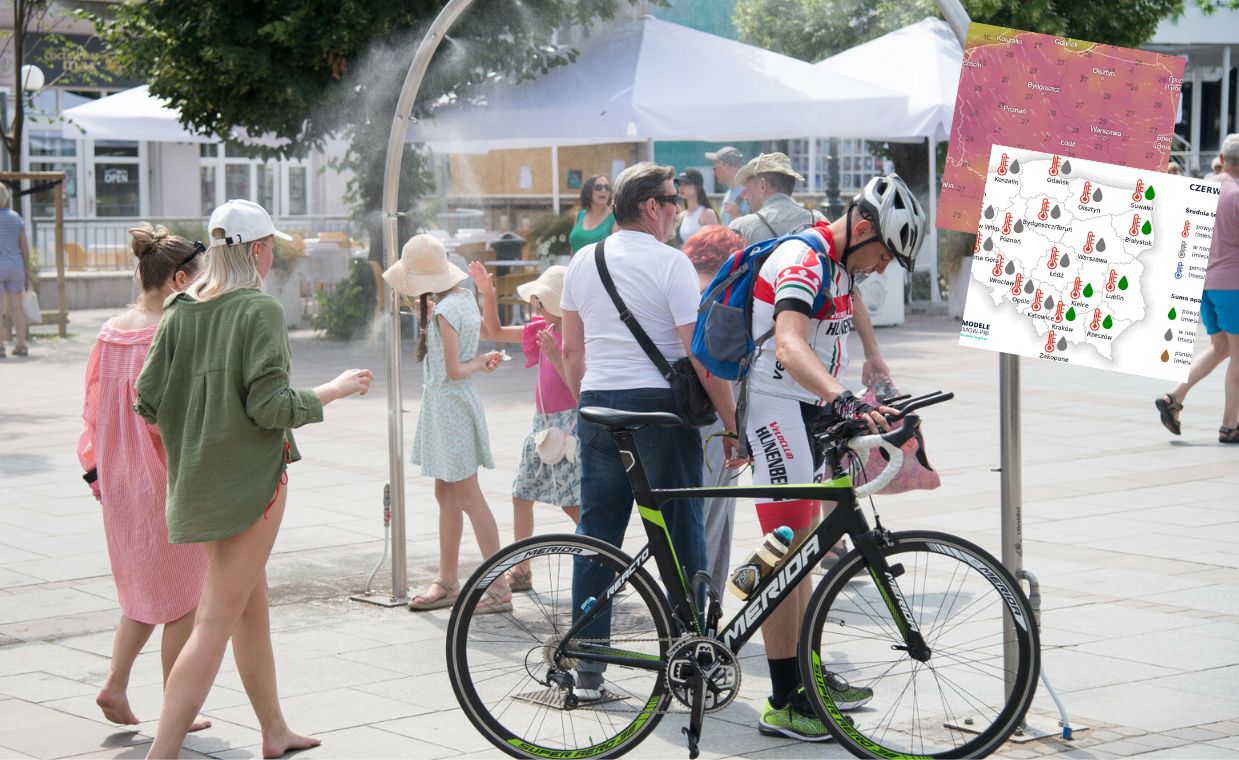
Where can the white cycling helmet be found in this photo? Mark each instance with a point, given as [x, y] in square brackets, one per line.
[897, 215]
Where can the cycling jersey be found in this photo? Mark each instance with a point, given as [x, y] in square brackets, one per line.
[795, 277]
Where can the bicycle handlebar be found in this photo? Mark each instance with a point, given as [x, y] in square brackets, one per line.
[890, 442]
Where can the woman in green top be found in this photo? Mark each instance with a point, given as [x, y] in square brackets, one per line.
[216, 383]
[594, 221]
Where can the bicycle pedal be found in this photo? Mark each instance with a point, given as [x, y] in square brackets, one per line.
[693, 751]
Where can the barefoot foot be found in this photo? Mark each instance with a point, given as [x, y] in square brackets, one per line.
[115, 706]
[277, 746]
[199, 724]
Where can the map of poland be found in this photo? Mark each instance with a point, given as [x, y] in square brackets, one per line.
[1089, 263]
[1073, 98]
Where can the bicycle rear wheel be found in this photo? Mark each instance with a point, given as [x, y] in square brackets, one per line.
[509, 671]
[966, 605]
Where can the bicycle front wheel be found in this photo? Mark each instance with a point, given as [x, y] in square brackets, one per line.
[518, 680]
[969, 696]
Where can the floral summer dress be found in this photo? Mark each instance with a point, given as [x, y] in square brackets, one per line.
[451, 441]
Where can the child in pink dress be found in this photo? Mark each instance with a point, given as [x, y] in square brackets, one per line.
[156, 582]
[548, 471]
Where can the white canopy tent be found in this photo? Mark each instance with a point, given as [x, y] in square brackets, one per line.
[134, 114]
[654, 80]
[922, 61]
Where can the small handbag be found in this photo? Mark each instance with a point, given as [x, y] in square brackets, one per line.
[916, 474]
[553, 445]
[30, 305]
[692, 404]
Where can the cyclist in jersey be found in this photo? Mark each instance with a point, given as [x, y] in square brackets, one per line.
[807, 297]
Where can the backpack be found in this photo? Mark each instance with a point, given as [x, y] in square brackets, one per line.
[723, 336]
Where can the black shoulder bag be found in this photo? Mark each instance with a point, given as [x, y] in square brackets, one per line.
[692, 404]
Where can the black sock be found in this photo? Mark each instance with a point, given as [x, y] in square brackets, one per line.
[784, 680]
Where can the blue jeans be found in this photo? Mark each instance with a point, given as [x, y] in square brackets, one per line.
[671, 458]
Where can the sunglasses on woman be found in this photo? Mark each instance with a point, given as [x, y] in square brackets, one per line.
[198, 248]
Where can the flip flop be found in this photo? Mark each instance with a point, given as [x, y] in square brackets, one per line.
[1168, 409]
[519, 580]
[1228, 435]
[450, 592]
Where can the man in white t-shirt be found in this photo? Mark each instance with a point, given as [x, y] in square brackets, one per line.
[605, 366]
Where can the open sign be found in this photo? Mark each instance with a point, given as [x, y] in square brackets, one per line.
[116, 176]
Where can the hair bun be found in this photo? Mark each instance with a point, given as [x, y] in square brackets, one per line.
[147, 238]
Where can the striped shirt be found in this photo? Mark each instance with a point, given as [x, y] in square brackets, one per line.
[10, 241]
[797, 278]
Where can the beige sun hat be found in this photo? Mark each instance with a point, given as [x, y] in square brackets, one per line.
[767, 163]
[423, 268]
[549, 287]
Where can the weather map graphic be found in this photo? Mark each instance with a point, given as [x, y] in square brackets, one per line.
[1069, 97]
[1089, 263]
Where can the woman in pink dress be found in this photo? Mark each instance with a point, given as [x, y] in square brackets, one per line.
[156, 582]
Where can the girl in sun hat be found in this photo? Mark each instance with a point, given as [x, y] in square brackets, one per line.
[451, 442]
[548, 471]
[216, 382]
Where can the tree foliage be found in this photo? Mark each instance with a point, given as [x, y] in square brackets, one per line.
[303, 70]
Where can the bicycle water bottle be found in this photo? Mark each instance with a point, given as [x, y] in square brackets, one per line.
[772, 549]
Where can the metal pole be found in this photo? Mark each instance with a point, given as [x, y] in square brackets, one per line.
[555, 179]
[935, 296]
[391, 186]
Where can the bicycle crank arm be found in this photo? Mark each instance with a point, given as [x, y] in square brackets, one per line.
[697, 685]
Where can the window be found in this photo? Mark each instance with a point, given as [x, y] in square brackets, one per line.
[208, 183]
[856, 164]
[266, 185]
[118, 172]
[297, 191]
[237, 180]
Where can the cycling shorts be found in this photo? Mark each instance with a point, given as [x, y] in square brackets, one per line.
[783, 453]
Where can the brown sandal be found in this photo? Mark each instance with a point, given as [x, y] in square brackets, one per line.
[423, 602]
[519, 580]
[1228, 434]
[1169, 407]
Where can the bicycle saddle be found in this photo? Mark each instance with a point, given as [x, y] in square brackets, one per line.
[617, 419]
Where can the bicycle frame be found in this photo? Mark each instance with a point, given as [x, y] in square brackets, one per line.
[846, 519]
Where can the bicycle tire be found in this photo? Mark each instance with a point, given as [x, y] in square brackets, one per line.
[961, 597]
[498, 662]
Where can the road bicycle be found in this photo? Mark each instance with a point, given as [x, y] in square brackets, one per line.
[933, 624]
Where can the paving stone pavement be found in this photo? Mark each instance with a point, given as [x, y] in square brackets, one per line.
[1133, 534]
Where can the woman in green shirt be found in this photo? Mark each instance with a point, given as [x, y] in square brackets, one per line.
[594, 221]
[216, 383]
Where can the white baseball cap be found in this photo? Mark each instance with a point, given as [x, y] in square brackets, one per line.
[242, 222]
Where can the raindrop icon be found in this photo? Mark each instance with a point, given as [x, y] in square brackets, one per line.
[1123, 283]
[1062, 344]
[1055, 213]
[1165, 356]
[1088, 290]
[1071, 314]
[1147, 228]
[989, 212]
[1173, 314]
[1019, 225]
[1065, 168]
[989, 244]
[1010, 267]
[1149, 194]
[1107, 322]
[1028, 286]
[1015, 166]
[1101, 245]
[1064, 261]
[1170, 335]
[1049, 303]
[1097, 194]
